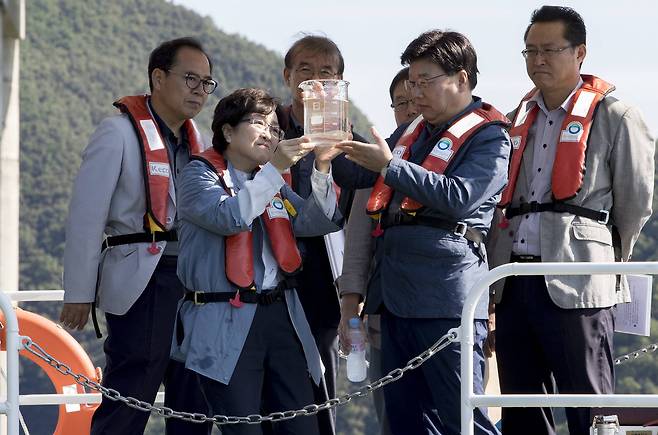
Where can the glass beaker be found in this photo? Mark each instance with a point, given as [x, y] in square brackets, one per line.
[326, 120]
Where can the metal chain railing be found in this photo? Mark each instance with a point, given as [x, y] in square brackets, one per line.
[311, 409]
[637, 354]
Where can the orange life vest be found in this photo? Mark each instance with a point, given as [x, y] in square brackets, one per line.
[239, 247]
[569, 166]
[439, 158]
[155, 158]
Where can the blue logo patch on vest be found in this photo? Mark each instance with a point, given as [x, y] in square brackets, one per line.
[277, 209]
[443, 149]
[572, 133]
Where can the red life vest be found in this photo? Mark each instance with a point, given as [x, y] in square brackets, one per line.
[155, 158]
[239, 247]
[569, 166]
[439, 158]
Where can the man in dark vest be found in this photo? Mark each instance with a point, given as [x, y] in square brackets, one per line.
[315, 57]
[121, 250]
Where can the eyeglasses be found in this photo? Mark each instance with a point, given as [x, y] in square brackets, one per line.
[422, 83]
[193, 81]
[547, 53]
[401, 106]
[308, 73]
[275, 131]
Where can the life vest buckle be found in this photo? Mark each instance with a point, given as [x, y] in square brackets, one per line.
[196, 299]
[605, 217]
[460, 229]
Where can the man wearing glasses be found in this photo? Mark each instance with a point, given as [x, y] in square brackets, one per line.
[121, 242]
[315, 57]
[433, 200]
[580, 189]
[403, 106]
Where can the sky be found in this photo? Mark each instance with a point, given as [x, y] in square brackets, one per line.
[621, 42]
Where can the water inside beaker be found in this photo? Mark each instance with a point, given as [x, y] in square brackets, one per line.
[326, 108]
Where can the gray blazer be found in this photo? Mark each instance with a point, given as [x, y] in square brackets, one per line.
[109, 199]
[619, 178]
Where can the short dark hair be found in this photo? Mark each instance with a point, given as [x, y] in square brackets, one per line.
[315, 44]
[575, 31]
[164, 55]
[233, 108]
[402, 75]
[452, 51]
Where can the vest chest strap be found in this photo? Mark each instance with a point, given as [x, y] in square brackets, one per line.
[601, 216]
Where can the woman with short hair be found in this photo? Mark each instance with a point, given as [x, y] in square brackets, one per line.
[241, 325]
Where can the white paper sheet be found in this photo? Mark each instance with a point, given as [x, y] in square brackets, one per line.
[635, 317]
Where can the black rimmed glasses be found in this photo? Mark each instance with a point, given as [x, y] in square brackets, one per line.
[400, 106]
[193, 81]
[546, 53]
[421, 83]
[260, 123]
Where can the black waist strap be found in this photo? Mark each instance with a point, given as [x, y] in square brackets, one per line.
[458, 228]
[601, 216]
[126, 239]
[246, 296]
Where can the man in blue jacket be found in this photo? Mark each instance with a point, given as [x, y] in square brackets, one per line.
[434, 197]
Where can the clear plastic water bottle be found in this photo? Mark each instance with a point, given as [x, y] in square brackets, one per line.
[356, 361]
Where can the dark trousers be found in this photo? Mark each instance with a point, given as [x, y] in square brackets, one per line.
[137, 361]
[427, 400]
[539, 345]
[271, 375]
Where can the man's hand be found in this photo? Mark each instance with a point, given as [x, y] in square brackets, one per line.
[349, 307]
[371, 156]
[75, 316]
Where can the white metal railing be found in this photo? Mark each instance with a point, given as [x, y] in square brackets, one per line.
[10, 405]
[50, 399]
[470, 401]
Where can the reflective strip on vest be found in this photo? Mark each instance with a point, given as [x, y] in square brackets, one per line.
[569, 167]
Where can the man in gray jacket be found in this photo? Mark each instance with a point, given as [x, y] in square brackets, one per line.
[121, 249]
[580, 189]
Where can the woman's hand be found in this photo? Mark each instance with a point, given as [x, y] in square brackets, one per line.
[288, 152]
[324, 156]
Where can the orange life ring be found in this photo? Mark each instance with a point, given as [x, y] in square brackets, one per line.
[62, 346]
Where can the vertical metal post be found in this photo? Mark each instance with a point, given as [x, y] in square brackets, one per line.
[12, 30]
[13, 346]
